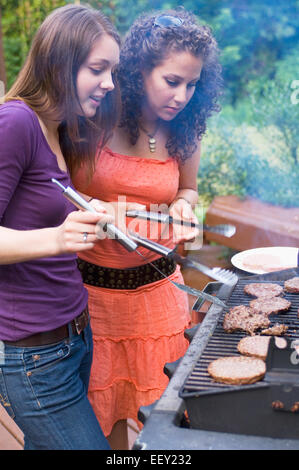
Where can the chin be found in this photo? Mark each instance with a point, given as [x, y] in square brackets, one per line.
[168, 118]
[90, 113]
[165, 116]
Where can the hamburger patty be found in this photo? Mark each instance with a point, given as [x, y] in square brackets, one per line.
[237, 370]
[292, 285]
[270, 306]
[244, 318]
[258, 289]
[256, 346]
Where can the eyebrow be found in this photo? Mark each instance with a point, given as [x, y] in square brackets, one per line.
[99, 61]
[102, 63]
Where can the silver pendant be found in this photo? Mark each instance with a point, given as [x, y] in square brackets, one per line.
[152, 144]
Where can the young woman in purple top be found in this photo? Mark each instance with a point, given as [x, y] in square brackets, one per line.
[62, 104]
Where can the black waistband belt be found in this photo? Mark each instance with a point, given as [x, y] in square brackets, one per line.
[54, 336]
[130, 278]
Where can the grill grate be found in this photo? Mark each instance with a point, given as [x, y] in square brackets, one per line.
[223, 344]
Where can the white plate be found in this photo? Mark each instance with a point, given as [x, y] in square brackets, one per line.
[266, 260]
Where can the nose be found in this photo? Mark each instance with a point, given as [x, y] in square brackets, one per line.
[107, 82]
[181, 95]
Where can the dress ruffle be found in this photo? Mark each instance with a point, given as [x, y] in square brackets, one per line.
[136, 379]
[144, 332]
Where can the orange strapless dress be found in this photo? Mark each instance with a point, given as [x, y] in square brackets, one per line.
[135, 332]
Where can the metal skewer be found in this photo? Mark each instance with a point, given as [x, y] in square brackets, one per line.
[226, 230]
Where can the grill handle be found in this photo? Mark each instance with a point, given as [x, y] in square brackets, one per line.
[145, 411]
[170, 367]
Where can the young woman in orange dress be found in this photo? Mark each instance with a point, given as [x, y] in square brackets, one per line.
[170, 81]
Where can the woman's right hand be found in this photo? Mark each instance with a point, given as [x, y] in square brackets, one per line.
[118, 210]
[78, 231]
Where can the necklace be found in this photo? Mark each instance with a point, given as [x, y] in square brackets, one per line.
[151, 136]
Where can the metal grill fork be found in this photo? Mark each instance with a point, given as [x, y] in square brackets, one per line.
[228, 276]
[219, 274]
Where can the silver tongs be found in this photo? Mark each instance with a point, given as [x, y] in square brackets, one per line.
[227, 277]
[226, 230]
[222, 275]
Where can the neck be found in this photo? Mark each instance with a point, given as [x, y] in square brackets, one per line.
[49, 125]
[148, 120]
[151, 133]
[149, 127]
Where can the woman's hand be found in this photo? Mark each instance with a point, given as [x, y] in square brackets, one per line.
[117, 209]
[78, 231]
[181, 209]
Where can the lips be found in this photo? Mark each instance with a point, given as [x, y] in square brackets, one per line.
[174, 110]
[97, 99]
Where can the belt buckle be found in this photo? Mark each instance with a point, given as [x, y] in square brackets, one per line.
[80, 322]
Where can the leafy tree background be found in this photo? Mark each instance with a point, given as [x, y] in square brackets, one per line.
[252, 146]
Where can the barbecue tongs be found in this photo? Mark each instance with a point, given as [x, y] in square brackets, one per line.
[130, 244]
[222, 275]
[226, 230]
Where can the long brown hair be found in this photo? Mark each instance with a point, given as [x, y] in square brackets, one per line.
[47, 81]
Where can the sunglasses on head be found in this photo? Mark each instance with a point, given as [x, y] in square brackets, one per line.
[165, 21]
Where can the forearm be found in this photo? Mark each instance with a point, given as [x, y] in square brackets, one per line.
[17, 246]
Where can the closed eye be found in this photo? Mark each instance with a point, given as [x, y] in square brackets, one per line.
[174, 83]
[95, 71]
[171, 82]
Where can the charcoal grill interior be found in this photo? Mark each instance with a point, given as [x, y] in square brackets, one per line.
[223, 344]
[247, 409]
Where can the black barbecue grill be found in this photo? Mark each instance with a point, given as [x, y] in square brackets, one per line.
[264, 415]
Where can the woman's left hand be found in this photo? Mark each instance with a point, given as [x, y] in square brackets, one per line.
[180, 209]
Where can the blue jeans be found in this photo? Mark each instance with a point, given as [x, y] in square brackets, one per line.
[44, 389]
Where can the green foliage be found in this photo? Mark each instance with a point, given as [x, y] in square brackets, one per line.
[244, 160]
[20, 20]
[273, 103]
[252, 148]
[217, 175]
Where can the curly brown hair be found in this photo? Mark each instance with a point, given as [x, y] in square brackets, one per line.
[145, 46]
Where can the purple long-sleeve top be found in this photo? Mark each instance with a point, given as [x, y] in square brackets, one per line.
[45, 293]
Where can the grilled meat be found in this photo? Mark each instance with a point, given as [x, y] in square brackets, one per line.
[237, 370]
[265, 289]
[244, 318]
[256, 346]
[276, 330]
[292, 285]
[270, 306]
